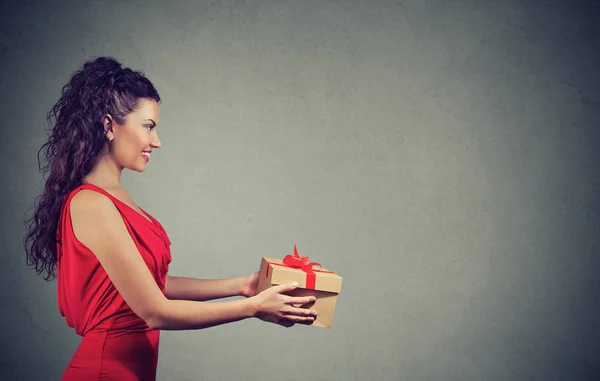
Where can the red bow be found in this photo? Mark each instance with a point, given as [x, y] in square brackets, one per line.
[303, 264]
[298, 262]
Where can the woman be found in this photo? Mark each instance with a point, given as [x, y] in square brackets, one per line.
[109, 256]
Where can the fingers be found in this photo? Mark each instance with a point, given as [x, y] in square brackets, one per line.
[285, 287]
[302, 312]
[290, 320]
[300, 315]
[295, 300]
[300, 300]
[300, 319]
[286, 310]
[293, 315]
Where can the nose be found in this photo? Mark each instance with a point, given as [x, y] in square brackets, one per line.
[156, 141]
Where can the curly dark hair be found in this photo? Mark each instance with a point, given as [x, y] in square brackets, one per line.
[76, 139]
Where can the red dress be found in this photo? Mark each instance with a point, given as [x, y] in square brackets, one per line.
[116, 344]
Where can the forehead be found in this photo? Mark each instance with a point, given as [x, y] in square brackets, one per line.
[147, 109]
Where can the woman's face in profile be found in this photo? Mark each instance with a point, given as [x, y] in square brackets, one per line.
[137, 137]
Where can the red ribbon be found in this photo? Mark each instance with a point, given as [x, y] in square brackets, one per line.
[301, 263]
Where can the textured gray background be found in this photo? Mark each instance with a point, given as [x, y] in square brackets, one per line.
[440, 155]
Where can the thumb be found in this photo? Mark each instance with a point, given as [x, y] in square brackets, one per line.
[286, 287]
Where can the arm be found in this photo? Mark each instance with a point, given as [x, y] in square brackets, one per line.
[182, 288]
[98, 224]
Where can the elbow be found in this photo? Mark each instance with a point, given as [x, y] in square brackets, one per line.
[155, 318]
[154, 323]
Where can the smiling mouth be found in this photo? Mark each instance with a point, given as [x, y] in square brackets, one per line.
[146, 155]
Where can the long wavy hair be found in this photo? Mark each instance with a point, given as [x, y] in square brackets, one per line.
[76, 139]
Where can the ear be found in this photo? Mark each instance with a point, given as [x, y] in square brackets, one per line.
[108, 126]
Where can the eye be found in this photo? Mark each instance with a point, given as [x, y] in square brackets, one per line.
[149, 127]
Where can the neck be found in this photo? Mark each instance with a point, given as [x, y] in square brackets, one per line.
[107, 172]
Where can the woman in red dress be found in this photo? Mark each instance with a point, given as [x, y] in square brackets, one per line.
[109, 256]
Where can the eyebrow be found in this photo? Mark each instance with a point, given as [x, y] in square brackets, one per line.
[153, 122]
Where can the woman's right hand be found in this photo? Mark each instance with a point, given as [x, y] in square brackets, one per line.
[272, 306]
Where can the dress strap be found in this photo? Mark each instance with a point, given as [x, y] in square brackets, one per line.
[123, 207]
[90, 186]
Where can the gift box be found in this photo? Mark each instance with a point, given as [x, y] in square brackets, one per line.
[312, 279]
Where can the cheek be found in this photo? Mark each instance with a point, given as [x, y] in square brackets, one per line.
[131, 145]
[139, 140]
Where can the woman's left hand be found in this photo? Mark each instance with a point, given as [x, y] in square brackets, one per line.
[249, 284]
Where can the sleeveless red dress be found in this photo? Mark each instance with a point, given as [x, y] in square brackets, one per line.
[116, 344]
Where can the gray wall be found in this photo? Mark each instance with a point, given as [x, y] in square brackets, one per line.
[441, 156]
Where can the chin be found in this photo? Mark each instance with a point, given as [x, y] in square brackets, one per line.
[137, 168]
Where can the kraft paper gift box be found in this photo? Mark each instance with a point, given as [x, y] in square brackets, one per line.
[312, 280]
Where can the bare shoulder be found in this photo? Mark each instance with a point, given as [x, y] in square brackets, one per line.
[89, 200]
[91, 204]
[93, 215]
